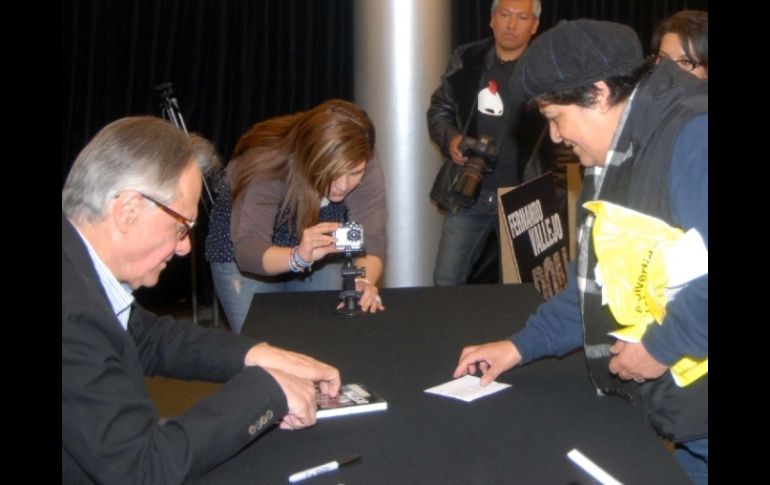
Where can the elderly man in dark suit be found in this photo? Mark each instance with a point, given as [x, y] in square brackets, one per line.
[128, 205]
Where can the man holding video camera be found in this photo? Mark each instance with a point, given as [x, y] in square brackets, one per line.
[477, 122]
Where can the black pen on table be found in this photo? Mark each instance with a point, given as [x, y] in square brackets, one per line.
[326, 467]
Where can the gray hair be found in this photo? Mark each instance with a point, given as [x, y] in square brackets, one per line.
[536, 8]
[141, 153]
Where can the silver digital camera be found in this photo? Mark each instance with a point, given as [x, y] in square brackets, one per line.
[349, 237]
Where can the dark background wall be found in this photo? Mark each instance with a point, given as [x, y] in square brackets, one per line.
[232, 62]
[235, 62]
[470, 18]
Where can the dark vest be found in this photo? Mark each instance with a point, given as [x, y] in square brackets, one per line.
[665, 101]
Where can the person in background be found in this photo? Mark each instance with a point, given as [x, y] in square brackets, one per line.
[642, 132]
[128, 205]
[474, 99]
[292, 181]
[684, 38]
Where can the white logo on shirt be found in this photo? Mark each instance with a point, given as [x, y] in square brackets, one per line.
[489, 101]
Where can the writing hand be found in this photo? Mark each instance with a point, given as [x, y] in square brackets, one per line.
[492, 359]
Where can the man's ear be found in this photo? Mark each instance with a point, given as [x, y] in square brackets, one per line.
[124, 209]
[603, 97]
[535, 26]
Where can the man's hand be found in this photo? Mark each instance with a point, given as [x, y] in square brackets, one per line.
[299, 365]
[632, 361]
[454, 150]
[300, 398]
[493, 359]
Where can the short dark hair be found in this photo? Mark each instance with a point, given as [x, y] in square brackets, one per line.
[620, 87]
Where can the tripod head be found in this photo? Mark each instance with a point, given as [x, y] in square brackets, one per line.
[349, 296]
[169, 109]
[165, 90]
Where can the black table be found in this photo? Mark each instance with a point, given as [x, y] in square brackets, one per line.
[520, 435]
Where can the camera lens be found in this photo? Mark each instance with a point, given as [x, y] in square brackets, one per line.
[354, 235]
[466, 187]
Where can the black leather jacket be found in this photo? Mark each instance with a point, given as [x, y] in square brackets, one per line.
[452, 102]
[452, 106]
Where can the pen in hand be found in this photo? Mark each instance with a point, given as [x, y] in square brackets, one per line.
[326, 467]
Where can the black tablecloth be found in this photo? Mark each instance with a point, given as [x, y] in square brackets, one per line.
[520, 435]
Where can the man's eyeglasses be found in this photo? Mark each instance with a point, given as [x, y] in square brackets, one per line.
[186, 224]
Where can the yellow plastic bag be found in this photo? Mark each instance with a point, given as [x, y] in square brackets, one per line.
[639, 269]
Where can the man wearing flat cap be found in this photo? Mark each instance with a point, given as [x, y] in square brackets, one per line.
[641, 131]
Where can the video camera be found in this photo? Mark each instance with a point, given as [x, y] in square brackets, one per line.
[349, 237]
[481, 154]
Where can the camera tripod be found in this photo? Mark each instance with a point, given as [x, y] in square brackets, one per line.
[349, 296]
[169, 108]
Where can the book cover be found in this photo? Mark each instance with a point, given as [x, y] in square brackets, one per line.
[536, 234]
[352, 399]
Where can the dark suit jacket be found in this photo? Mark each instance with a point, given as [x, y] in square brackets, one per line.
[110, 428]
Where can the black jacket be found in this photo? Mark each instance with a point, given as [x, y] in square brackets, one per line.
[110, 428]
[453, 103]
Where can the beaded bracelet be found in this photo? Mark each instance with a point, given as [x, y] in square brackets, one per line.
[296, 263]
[293, 267]
[298, 259]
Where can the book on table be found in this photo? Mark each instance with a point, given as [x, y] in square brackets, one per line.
[351, 399]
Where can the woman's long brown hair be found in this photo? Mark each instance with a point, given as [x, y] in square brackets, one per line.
[308, 150]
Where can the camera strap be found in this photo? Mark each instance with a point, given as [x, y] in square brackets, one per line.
[472, 116]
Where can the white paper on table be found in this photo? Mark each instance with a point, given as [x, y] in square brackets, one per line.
[466, 388]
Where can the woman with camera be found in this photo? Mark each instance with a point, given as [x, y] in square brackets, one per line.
[292, 182]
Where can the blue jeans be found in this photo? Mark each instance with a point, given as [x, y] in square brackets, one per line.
[693, 456]
[463, 236]
[235, 289]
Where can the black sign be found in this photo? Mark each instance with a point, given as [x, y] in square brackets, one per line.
[538, 234]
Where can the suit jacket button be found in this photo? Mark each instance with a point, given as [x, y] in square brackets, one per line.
[252, 429]
[262, 421]
[269, 414]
